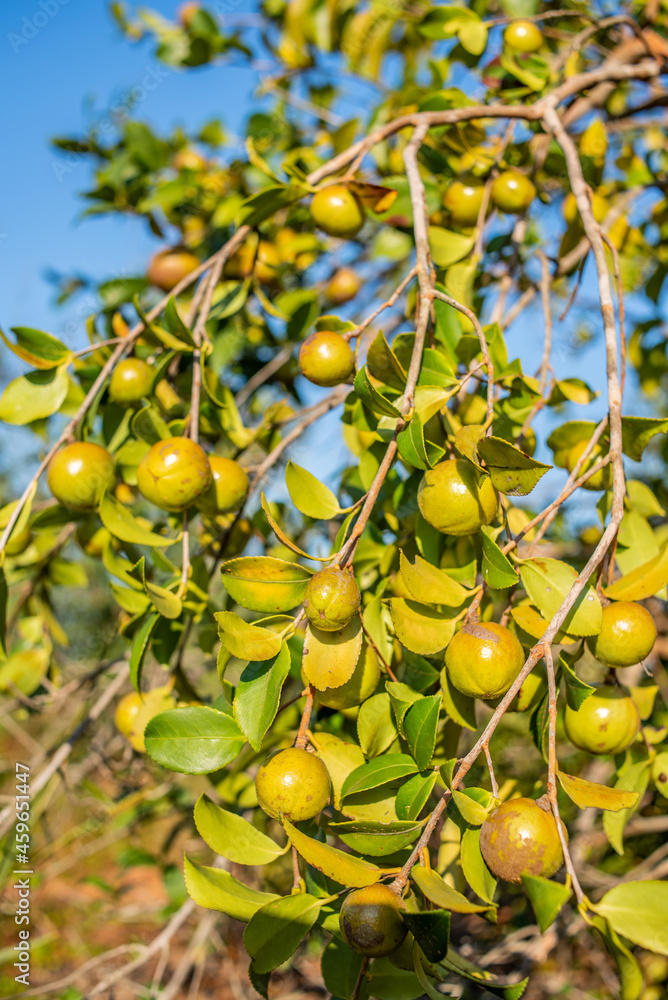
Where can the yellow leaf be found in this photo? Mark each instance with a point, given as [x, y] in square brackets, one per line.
[587, 794]
[642, 582]
[443, 895]
[330, 658]
[343, 868]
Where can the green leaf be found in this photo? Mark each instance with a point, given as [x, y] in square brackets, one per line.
[642, 582]
[330, 658]
[548, 581]
[420, 726]
[267, 202]
[340, 759]
[439, 892]
[233, 837]
[163, 600]
[420, 628]
[637, 432]
[3, 614]
[24, 669]
[372, 398]
[258, 695]
[638, 911]
[470, 809]
[431, 585]
[39, 349]
[475, 871]
[309, 495]
[148, 425]
[140, 644]
[497, 570]
[384, 365]
[418, 964]
[275, 932]
[573, 390]
[34, 396]
[118, 520]
[340, 969]
[282, 537]
[402, 697]
[431, 930]
[342, 868]
[511, 471]
[447, 247]
[246, 641]
[193, 740]
[262, 583]
[484, 979]
[380, 771]
[577, 690]
[218, 890]
[473, 37]
[413, 795]
[375, 725]
[411, 444]
[547, 898]
[630, 974]
[634, 779]
[377, 839]
[459, 707]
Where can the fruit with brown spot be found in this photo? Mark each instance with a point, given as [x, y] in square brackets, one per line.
[627, 635]
[607, 722]
[520, 837]
[371, 921]
[174, 473]
[332, 598]
[483, 659]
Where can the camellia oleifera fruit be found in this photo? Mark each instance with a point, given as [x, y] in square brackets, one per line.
[174, 473]
[371, 920]
[134, 712]
[520, 837]
[512, 191]
[627, 635]
[79, 474]
[326, 358]
[361, 685]
[131, 381]
[483, 659]
[607, 722]
[168, 267]
[463, 200]
[264, 262]
[342, 286]
[293, 783]
[337, 211]
[332, 598]
[229, 487]
[455, 499]
[523, 36]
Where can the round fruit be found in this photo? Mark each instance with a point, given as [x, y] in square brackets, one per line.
[174, 473]
[125, 494]
[79, 474]
[371, 921]
[135, 711]
[131, 381]
[264, 263]
[463, 199]
[483, 659]
[337, 211]
[627, 635]
[521, 838]
[332, 598]
[293, 783]
[127, 711]
[523, 36]
[453, 500]
[326, 359]
[360, 686]
[602, 480]
[228, 489]
[606, 723]
[343, 286]
[512, 191]
[18, 542]
[168, 267]
[92, 537]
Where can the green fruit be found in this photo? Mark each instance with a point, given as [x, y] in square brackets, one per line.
[337, 211]
[627, 635]
[293, 783]
[92, 537]
[332, 598]
[361, 685]
[371, 921]
[228, 489]
[326, 359]
[606, 723]
[79, 474]
[126, 712]
[343, 286]
[263, 263]
[512, 192]
[18, 542]
[454, 499]
[483, 660]
[135, 711]
[521, 838]
[131, 381]
[168, 267]
[523, 36]
[602, 480]
[174, 473]
[463, 200]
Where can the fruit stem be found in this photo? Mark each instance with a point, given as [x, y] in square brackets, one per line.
[492, 775]
[296, 873]
[302, 735]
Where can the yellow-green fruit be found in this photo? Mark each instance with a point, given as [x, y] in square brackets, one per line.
[332, 598]
[263, 263]
[627, 635]
[463, 200]
[606, 723]
[124, 493]
[92, 537]
[602, 479]
[228, 489]
[168, 267]
[454, 500]
[521, 838]
[174, 473]
[127, 711]
[371, 921]
[18, 542]
[337, 211]
[343, 286]
[293, 783]
[326, 359]
[79, 474]
[483, 660]
[134, 712]
[523, 36]
[131, 381]
[360, 686]
[512, 191]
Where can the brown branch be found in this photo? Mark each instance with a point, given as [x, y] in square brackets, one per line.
[302, 735]
[484, 350]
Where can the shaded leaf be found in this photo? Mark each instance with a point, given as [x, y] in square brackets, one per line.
[274, 932]
[330, 658]
[413, 795]
[547, 898]
[497, 570]
[232, 836]
[430, 585]
[258, 695]
[420, 628]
